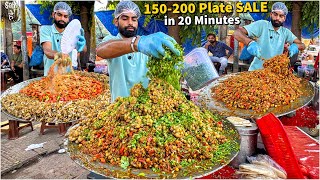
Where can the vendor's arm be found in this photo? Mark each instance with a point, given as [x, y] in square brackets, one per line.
[116, 48]
[295, 43]
[47, 49]
[241, 35]
[45, 42]
[150, 45]
[293, 40]
[254, 30]
[300, 44]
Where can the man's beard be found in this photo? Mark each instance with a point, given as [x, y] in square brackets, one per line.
[126, 33]
[212, 41]
[276, 24]
[59, 25]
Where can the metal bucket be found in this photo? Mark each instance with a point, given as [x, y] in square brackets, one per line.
[248, 145]
[315, 100]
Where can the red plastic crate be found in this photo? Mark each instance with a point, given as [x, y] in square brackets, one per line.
[306, 150]
[278, 145]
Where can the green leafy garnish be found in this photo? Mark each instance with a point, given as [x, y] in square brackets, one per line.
[168, 68]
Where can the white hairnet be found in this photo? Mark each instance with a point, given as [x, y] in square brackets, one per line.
[126, 7]
[279, 6]
[246, 16]
[62, 6]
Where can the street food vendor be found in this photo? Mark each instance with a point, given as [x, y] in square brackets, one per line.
[50, 36]
[271, 37]
[127, 54]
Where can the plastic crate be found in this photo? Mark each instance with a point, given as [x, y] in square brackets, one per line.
[278, 145]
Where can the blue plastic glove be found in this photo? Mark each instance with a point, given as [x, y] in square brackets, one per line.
[245, 55]
[254, 49]
[81, 42]
[152, 45]
[293, 49]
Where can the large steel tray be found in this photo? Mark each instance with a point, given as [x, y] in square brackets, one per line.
[15, 89]
[205, 100]
[111, 171]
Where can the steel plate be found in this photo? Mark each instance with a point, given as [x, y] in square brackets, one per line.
[205, 100]
[111, 171]
[15, 89]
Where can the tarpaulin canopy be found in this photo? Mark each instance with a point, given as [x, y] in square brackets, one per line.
[106, 17]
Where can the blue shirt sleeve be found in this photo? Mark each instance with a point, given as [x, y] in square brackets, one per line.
[106, 39]
[4, 56]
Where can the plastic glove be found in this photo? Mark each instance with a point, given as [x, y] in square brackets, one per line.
[81, 42]
[152, 45]
[245, 55]
[293, 49]
[254, 49]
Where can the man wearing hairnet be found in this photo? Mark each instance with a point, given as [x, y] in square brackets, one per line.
[271, 37]
[50, 36]
[246, 18]
[127, 54]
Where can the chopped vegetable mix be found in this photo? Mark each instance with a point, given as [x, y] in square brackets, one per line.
[260, 90]
[168, 68]
[155, 128]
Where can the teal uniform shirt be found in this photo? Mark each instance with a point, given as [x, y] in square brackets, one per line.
[50, 33]
[125, 71]
[270, 41]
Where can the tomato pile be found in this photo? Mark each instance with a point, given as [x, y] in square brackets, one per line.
[62, 86]
[65, 87]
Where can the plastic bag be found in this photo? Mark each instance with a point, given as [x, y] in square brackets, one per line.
[37, 56]
[267, 161]
[256, 170]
